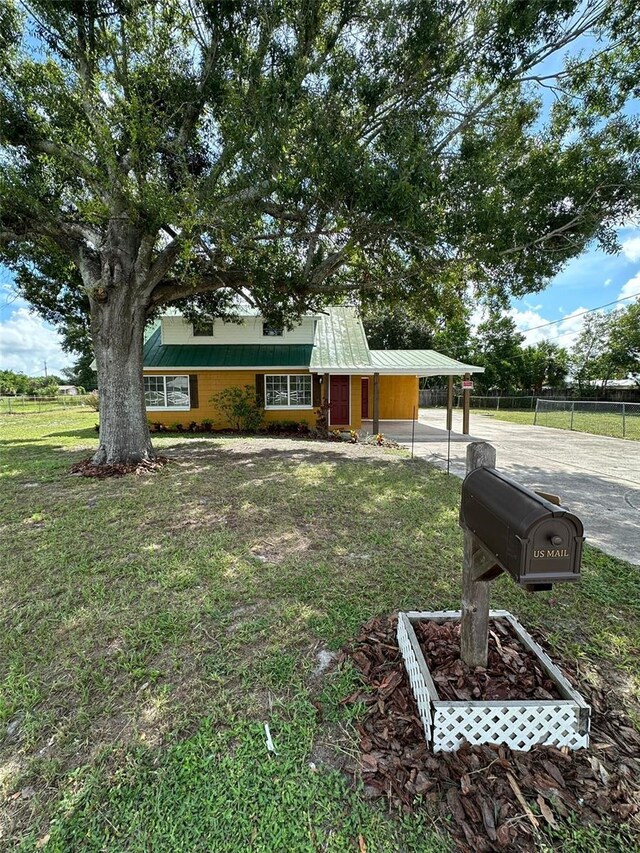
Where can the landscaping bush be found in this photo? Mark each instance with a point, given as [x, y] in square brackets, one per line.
[288, 427]
[93, 401]
[240, 406]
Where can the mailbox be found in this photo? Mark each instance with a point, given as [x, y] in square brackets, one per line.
[537, 542]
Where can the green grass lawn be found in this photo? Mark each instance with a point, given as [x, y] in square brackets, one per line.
[600, 423]
[151, 625]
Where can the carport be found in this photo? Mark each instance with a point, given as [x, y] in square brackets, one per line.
[421, 363]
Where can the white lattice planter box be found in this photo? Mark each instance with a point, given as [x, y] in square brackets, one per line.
[517, 724]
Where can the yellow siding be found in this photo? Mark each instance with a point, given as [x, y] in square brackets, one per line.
[211, 382]
[398, 396]
[356, 402]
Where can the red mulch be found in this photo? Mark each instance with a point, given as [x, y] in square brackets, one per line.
[87, 469]
[512, 670]
[493, 798]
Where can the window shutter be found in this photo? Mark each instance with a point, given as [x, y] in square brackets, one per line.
[193, 390]
[317, 390]
[260, 389]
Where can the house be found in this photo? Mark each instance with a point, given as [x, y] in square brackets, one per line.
[326, 355]
[68, 390]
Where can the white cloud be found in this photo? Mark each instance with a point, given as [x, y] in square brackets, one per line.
[608, 281]
[563, 332]
[26, 342]
[631, 288]
[631, 248]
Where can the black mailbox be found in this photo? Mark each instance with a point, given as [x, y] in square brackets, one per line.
[537, 542]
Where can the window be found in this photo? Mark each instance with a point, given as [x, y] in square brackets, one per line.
[288, 392]
[167, 392]
[272, 331]
[202, 329]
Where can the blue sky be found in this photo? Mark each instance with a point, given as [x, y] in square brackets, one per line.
[590, 280]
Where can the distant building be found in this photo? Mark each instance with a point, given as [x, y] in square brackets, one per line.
[68, 390]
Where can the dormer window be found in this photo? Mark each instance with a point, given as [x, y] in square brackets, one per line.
[270, 331]
[203, 329]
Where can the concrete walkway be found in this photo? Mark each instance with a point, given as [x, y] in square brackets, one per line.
[598, 478]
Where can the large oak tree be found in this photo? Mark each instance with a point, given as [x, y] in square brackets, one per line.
[200, 151]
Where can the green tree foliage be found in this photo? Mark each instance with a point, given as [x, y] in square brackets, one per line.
[608, 347]
[497, 346]
[12, 383]
[286, 153]
[624, 340]
[545, 363]
[400, 327]
[82, 374]
[591, 357]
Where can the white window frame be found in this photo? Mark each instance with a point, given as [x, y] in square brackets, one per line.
[279, 334]
[296, 407]
[164, 377]
[203, 322]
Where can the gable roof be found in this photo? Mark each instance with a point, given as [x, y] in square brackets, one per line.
[339, 346]
[339, 342]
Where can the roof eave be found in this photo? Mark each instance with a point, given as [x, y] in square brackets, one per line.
[398, 371]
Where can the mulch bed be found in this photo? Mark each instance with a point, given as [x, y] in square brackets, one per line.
[494, 799]
[512, 672]
[87, 469]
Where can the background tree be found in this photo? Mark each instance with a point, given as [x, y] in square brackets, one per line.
[591, 355]
[82, 374]
[12, 383]
[545, 363]
[624, 341]
[497, 346]
[285, 153]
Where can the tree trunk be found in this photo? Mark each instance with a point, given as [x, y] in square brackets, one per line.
[118, 332]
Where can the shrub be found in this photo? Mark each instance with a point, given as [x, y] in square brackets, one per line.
[288, 427]
[93, 401]
[207, 425]
[240, 407]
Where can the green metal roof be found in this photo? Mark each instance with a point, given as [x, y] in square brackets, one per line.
[340, 341]
[426, 361]
[340, 345]
[238, 356]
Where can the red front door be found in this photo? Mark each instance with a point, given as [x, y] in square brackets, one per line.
[339, 399]
[364, 409]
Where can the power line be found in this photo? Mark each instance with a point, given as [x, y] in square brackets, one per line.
[581, 313]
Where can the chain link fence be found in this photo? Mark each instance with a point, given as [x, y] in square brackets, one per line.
[26, 405]
[618, 420]
[430, 397]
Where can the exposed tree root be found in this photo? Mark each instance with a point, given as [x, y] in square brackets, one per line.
[86, 468]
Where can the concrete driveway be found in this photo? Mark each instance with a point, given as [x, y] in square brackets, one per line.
[598, 478]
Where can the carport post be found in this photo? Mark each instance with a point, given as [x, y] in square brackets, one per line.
[450, 402]
[376, 403]
[466, 402]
